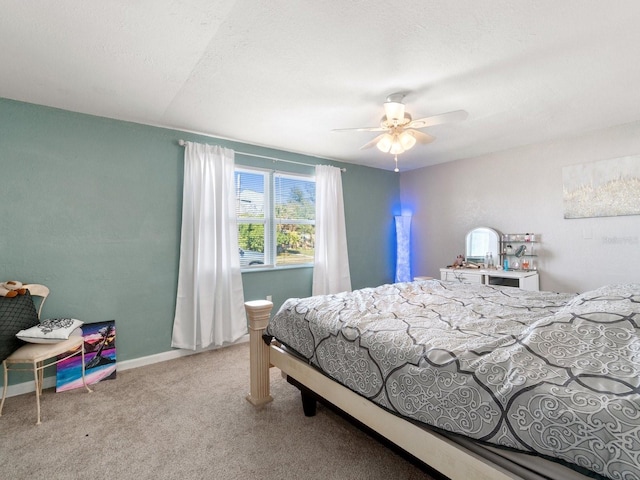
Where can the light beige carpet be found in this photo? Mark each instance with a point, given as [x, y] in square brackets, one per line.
[187, 419]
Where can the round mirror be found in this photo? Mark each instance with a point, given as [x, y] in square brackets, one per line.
[481, 241]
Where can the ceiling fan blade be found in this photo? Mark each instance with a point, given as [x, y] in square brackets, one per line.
[421, 137]
[455, 116]
[361, 129]
[372, 142]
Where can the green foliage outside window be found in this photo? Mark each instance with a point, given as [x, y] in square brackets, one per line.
[251, 237]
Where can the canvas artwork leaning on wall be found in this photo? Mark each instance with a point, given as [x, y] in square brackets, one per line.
[100, 358]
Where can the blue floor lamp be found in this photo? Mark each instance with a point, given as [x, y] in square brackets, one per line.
[403, 248]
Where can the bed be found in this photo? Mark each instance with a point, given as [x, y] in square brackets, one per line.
[477, 381]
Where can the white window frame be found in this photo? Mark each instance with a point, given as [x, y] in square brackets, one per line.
[270, 221]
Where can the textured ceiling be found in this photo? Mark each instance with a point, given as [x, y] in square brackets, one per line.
[284, 73]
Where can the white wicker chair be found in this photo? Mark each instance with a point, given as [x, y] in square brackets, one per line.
[36, 354]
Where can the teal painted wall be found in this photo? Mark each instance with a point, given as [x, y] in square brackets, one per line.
[91, 207]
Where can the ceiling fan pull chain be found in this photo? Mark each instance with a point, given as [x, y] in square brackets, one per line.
[396, 169]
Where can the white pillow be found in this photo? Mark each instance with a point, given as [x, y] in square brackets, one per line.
[51, 330]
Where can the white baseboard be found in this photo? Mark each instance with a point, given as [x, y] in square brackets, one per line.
[50, 381]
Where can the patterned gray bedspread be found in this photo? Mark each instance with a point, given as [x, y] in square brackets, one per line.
[547, 373]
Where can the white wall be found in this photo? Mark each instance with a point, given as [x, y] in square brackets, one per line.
[519, 191]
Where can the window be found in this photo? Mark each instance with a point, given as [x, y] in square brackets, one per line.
[276, 218]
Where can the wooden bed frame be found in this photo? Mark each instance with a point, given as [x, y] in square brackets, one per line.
[438, 452]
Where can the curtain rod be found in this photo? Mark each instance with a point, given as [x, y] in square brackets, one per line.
[182, 143]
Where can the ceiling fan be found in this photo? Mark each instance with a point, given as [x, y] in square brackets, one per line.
[400, 130]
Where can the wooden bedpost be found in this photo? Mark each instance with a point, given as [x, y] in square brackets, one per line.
[258, 312]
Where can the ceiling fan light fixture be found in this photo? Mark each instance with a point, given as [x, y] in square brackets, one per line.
[385, 143]
[394, 112]
[407, 140]
[396, 145]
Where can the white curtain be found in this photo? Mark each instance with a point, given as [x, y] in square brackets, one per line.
[331, 266]
[210, 300]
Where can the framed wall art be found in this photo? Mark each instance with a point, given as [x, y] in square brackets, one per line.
[605, 188]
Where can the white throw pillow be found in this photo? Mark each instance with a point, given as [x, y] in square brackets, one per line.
[51, 330]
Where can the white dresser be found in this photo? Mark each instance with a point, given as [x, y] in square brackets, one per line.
[526, 280]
